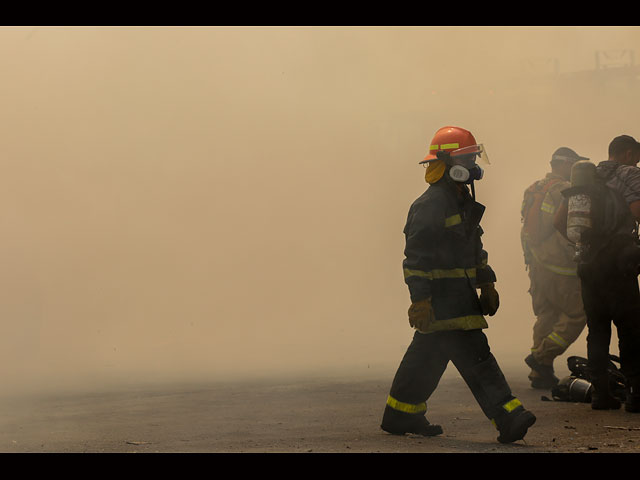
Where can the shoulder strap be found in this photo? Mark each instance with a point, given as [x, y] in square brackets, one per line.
[542, 186]
[610, 173]
[551, 183]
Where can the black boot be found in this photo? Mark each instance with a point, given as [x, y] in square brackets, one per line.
[601, 398]
[400, 423]
[544, 378]
[632, 403]
[513, 426]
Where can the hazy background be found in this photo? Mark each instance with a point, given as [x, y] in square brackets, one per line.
[228, 202]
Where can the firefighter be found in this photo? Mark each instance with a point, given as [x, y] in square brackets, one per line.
[554, 285]
[600, 216]
[444, 266]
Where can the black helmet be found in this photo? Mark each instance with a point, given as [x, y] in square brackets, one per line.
[565, 154]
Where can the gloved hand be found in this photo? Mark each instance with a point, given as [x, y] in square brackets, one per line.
[421, 314]
[489, 299]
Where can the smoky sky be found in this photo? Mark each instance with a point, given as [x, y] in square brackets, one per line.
[214, 202]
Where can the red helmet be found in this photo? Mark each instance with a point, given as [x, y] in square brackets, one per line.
[455, 140]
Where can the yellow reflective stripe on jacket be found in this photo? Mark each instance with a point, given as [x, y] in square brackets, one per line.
[572, 272]
[441, 273]
[416, 273]
[558, 339]
[406, 407]
[452, 220]
[512, 405]
[468, 322]
[547, 207]
[454, 273]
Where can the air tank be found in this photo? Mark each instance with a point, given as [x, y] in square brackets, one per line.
[579, 221]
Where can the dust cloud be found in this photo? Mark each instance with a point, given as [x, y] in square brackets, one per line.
[228, 202]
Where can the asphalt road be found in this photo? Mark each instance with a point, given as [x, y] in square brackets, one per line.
[320, 415]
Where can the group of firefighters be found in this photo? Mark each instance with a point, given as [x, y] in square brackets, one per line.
[582, 253]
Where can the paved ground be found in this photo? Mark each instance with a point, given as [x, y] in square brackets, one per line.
[319, 415]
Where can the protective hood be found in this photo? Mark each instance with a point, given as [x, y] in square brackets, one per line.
[435, 171]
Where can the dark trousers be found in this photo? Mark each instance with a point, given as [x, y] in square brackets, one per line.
[610, 299]
[427, 358]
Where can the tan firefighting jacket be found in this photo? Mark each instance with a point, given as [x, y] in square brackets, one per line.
[550, 250]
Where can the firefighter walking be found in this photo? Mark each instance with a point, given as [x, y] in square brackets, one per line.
[444, 266]
[554, 285]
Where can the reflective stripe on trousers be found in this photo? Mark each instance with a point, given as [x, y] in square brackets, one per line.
[406, 407]
[510, 406]
[558, 339]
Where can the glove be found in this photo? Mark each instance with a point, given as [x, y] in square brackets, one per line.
[421, 314]
[489, 299]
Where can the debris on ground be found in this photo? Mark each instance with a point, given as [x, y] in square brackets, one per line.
[622, 428]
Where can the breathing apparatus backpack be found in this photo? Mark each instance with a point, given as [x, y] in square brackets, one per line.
[599, 224]
[533, 232]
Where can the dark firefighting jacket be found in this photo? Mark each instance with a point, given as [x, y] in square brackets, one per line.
[444, 258]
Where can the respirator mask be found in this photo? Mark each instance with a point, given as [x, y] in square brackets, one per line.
[466, 175]
[464, 168]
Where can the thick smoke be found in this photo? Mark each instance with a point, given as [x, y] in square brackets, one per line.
[228, 202]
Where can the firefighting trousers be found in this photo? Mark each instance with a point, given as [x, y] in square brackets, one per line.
[427, 358]
[560, 318]
[606, 300]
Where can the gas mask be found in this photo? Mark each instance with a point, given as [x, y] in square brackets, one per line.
[462, 163]
[464, 168]
[466, 175]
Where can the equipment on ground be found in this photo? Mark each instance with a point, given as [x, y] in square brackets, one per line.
[578, 386]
